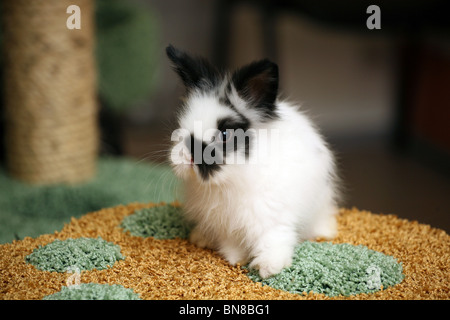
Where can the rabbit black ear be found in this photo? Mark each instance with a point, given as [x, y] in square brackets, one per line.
[194, 72]
[257, 83]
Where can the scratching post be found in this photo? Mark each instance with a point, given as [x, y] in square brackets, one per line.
[50, 91]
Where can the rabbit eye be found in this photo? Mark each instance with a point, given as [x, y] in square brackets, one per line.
[225, 135]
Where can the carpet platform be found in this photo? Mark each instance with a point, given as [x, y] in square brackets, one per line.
[105, 255]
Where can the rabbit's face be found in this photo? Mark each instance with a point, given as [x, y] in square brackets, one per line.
[212, 137]
[218, 120]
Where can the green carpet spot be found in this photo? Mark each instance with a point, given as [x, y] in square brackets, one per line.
[94, 291]
[72, 254]
[335, 269]
[160, 222]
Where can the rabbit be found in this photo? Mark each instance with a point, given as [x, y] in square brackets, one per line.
[258, 176]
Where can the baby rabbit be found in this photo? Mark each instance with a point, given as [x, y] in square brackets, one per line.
[258, 177]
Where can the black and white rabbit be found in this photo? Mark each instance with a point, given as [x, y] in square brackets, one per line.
[258, 177]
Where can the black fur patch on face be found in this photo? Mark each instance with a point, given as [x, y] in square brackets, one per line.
[195, 72]
[257, 84]
[226, 102]
[206, 166]
[234, 135]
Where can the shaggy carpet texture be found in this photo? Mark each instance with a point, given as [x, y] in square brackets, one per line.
[145, 267]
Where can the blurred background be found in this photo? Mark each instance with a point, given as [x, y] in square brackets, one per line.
[380, 97]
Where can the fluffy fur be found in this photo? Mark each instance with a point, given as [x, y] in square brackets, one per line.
[264, 193]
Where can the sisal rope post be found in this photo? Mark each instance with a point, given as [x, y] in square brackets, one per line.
[51, 108]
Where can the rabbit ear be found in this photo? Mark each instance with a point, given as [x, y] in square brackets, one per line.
[257, 83]
[194, 72]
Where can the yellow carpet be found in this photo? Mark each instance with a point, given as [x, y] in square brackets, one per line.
[176, 269]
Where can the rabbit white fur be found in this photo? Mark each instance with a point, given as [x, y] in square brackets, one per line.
[264, 195]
